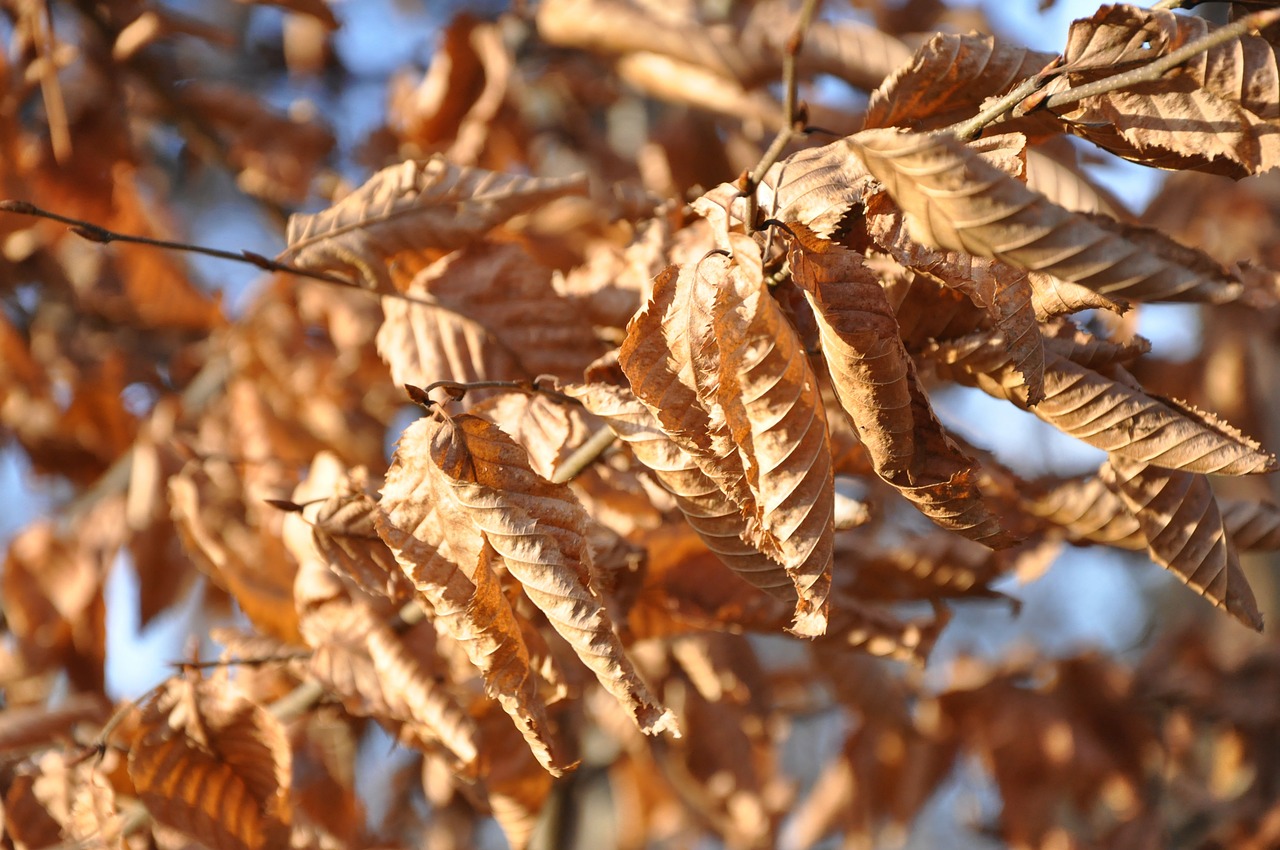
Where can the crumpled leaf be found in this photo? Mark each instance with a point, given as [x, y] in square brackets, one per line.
[948, 79]
[213, 766]
[1215, 112]
[1004, 292]
[1179, 517]
[1110, 413]
[488, 314]
[58, 800]
[377, 673]
[540, 530]
[410, 208]
[687, 357]
[493, 640]
[954, 199]
[876, 382]
[773, 408]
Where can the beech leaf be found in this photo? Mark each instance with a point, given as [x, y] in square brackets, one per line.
[954, 199]
[876, 383]
[1178, 515]
[409, 208]
[540, 530]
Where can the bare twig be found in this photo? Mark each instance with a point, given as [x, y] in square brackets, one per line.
[789, 107]
[971, 128]
[98, 233]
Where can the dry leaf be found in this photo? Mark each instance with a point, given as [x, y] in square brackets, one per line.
[878, 388]
[953, 199]
[411, 208]
[1112, 414]
[1215, 112]
[1180, 519]
[213, 766]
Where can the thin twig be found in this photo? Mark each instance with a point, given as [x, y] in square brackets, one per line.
[584, 456]
[250, 661]
[458, 389]
[98, 233]
[971, 128]
[1155, 69]
[789, 106]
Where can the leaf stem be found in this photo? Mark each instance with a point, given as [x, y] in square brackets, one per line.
[98, 233]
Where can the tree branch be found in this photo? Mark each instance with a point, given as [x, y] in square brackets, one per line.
[789, 107]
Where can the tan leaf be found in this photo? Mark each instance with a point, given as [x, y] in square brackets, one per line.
[815, 186]
[1089, 511]
[485, 314]
[540, 531]
[774, 410]
[479, 617]
[671, 360]
[549, 430]
[410, 208]
[877, 386]
[1252, 525]
[924, 308]
[345, 535]
[948, 79]
[955, 200]
[213, 766]
[224, 537]
[57, 800]
[710, 513]
[1112, 414]
[1004, 292]
[1183, 526]
[1215, 112]
[378, 673]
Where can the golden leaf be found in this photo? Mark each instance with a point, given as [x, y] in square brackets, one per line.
[410, 208]
[540, 531]
[213, 766]
[1179, 517]
[954, 199]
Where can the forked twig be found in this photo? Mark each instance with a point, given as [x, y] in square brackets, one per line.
[1012, 104]
[1155, 69]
